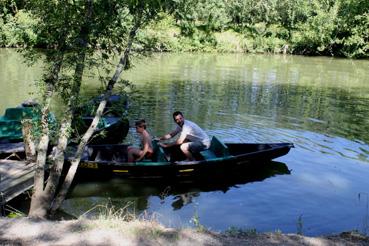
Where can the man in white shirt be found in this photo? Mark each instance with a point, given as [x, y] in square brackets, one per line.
[192, 138]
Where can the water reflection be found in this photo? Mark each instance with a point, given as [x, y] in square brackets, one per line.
[17, 81]
[290, 92]
[285, 106]
[119, 192]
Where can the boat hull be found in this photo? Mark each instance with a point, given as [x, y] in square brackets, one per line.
[110, 160]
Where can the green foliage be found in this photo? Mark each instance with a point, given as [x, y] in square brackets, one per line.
[230, 41]
[317, 34]
[196, 221]
[160, 35]
[72, 28]
[245, 13]
[316, 27]
[205, 15]
[199, 41]
[264, 38]
[354, 28]
[356, 45]
[36, 125]
[18, 29]
[293, 12]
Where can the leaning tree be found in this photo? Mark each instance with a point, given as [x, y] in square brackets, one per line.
[75, 36]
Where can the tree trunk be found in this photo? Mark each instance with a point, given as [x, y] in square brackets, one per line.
[47, 201]
[64, 132]
[42, 199]
[77, 157]
[75, 161]
[38, 207]
[29, 144]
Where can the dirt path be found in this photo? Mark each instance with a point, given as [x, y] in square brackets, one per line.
[23, 231]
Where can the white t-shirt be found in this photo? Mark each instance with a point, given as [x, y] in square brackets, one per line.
[194, 133]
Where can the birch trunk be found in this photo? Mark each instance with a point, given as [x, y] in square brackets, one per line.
[29, 144]
[77, 157]
[38, 207]
[64, 132]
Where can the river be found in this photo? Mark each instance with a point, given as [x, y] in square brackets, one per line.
[320, 104]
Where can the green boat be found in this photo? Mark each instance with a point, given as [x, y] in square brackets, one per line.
[219, 159]
[11, 123]
[111, 129]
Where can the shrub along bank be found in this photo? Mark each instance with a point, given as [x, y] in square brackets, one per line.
[316, 27]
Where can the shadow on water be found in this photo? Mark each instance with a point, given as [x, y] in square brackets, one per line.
[118, 192]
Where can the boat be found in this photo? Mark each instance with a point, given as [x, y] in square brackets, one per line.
[112, 128]
[116, 105]
[11, 122]
[11, 126]
[219, 159]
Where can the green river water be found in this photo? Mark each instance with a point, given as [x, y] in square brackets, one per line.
[320, 104]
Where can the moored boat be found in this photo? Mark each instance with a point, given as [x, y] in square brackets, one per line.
[219, 159]
[11, 122]
[112, 128]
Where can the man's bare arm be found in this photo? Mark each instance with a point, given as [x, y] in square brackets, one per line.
[169, 135]
[179, 141]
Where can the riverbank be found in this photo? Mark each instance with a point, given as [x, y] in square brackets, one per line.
[293, 27]
[23, 231]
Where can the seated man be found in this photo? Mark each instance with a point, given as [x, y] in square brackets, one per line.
[136, 154]
[192, 138]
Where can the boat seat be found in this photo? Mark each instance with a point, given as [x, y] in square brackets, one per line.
[10, 129]
[18, 113]
[217, 149]
[208, 154]
[159, 155]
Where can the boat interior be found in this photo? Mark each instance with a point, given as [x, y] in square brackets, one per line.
[118, 153]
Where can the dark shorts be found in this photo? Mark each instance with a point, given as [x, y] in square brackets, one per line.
[196, 147]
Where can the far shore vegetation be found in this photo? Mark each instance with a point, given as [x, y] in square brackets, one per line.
[317, 27]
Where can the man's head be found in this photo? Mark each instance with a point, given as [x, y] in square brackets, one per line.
[178, 118]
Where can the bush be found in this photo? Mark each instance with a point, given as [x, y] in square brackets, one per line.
[205, 15]
[199, 41]
[316, 36]
[356, 45]
[160, 36]
[229, 41]
[15, 30]
[315, 27]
